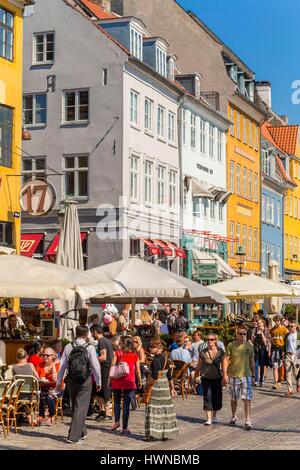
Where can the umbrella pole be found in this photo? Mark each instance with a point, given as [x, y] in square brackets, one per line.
[133, 312]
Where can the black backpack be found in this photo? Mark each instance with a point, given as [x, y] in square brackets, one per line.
[181, 324]
[79, 363]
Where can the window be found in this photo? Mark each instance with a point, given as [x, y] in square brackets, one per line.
[76, 106]
[33, 168]
[238, 179]
[193, 131]
[136, 41]
[250, 252]
[221, 211]
[205, 203]
[231, 117]
[196, 207]
[211, 146]
[232, 176]
[212, 210]
[134, 177]
[184, 126]
[245, 182]
[76, 176]
[238, 234]
[43, 48]
[135, 249]
[255, 245]
[220, 146]
[161, 185]
[245, 238]
[291, 248]
[104, 77]
[250, 134]
[6, 230]
[6, 127]
[295, 207]
[245, 130]
[272, 218]
[256, 133]
[34, 107]
[263, 257]
[291, 206]
[172, 189]
[279, 258]
[268, 253]
[6, 34]
[231, 230]
[160, 121]
[134, 106]
[256, 187]
[295, 252]
[298, 208]
[263, 208]
[268, 210]
[286, 247]
[171, 127]
[250, 184]
[238, 125]
[202, 136]
[148, 182]
[161, 62]
[148, 114]
[264, 161]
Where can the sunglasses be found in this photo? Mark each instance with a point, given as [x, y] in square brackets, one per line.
[47, 355]
[211, 339]
[242, 334]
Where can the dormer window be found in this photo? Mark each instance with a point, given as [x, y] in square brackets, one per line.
[233, 71]
[250, 90]
[161, 62]
[171, 67]
[136, 41]
[242, 84]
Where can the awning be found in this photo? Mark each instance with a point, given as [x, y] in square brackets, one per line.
[52, 250]
[152, 248]
[202, 257]
[166, 249]
[29, 243]
[178, 251]
[223, 267]
[200, 189]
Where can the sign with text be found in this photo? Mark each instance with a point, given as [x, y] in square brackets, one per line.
[37, 198]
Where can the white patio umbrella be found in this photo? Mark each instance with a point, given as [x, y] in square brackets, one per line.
[273, 304]
[252, 288]
[145, 281]
[29, 278]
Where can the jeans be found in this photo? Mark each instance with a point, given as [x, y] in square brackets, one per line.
[50, 403]
[127, 396]
[261, 360]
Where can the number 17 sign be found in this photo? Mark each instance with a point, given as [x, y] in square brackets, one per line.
[37, 197]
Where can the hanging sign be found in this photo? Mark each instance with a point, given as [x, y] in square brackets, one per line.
[37, 197]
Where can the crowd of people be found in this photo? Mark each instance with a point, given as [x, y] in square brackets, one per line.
[112, 362]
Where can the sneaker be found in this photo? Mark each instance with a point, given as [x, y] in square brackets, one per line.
[107, 418]
[260, 384]
[100, 416]
[74, 442]
[233, 421]
[248, 426]
[115, 426]
[215, 420]
[84, 437]
[256, 384]
[208, 422]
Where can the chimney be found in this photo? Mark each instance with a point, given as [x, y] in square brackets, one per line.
[105, 4]
[264, 91]
[285, 118]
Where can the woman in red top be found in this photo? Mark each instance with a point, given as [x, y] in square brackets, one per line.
[35, 354]
[47, 372]
[126, 385]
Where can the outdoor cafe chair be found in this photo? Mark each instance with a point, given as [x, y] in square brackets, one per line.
[180, 377]
[11, 404]
[30, 396]
[59, 409]
[4, 386]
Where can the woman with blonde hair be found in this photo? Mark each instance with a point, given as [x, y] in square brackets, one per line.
[23, 367]
[47, 372]
[146, 318]
[138, 346]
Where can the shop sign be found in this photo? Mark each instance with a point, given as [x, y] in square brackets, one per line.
[37, 198]
[207, 272]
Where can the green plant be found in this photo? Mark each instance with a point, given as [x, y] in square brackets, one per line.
[290, 310]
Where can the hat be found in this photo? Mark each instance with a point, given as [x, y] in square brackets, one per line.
[107, 319]
[138, 322]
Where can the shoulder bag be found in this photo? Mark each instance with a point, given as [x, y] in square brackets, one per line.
[150, 384]
[120, 369]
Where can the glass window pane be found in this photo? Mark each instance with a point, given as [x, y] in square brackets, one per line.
[70, 98]
[28, 116]
[40, 163]
[27, 100]
[40, 117]
[83, 162]
[70, 186]
[83, 113]
[70, 114]
[83, 97]
[9, 20]
[27, 165]
[40, 101]
[39, 39]
[83, 183]
[69, 162]
[2, 16]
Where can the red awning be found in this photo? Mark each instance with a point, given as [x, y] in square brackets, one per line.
[29, 243]
[152, 249]
[179, 251]
[52, 250]
[167, 250]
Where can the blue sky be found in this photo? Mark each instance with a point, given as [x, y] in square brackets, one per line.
[265, 35]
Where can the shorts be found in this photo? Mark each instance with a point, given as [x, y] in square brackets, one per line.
[240, 388]
[105, 392]
[276, 358]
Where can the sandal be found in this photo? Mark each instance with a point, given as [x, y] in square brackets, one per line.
[115, 427]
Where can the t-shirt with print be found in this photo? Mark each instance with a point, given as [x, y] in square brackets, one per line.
[240, 355]
[278, 334]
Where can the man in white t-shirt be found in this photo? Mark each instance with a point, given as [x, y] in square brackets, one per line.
[13, 322]
[291, 358]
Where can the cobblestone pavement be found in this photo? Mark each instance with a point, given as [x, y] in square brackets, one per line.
[276, 422]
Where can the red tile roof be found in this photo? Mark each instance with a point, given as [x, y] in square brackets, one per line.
[284, 174]
[265, 132]
[97, 10]
[286, 137]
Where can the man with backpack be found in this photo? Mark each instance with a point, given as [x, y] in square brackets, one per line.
[181, 322]
[80, 360]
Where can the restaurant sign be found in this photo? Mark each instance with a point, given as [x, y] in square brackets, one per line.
[37, 197]
[207, 272]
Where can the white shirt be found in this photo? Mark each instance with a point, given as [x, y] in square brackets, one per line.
[20, 323]
[292, 343]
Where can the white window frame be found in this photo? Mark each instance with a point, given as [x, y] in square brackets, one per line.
[263, 208]
[34, 51]
[250, 133]
[35, 173]
[161, 185]
[202, 136]
[171, 127]
[255, 187]
[161, 62]
[245, 189]
[193, 130]
[245, 130]
[160, 122]
[255, 244]
[34, 109]
[76, 170]
[184, 126]
[250, 242]
[238, 126]
[238, 179]
[244, 231]
[136, 43]
[148, 109]
[250, 177]
[232, 179]
[172, 189]
[134, 108]
[231, 231]
[148, 181]
[263, 257]
[220, 140]
[211, 141]
[278, 212]
[231, 117]
[221, 212]
[77, 107]
[134, 177]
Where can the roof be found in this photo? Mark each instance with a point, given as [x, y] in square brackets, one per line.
[265, 132]
[97, 11]
[286, 137]
[284, 174]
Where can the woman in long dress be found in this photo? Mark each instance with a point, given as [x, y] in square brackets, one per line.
[160, 420]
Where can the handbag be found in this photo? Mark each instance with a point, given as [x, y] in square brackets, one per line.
[150, 384]
[119, 370]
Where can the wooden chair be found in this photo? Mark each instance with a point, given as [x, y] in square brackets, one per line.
[4, 386]
[11, 405]
[30, 396]
[180, 377]
[59, 409]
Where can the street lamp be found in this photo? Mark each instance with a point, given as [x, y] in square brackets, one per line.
[241, 262]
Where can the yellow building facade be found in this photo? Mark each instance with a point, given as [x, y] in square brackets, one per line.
[244, 181]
